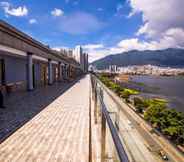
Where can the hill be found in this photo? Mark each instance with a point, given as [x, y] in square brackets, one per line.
[168, 57]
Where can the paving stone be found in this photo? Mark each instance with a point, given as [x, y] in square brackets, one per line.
[59, 130]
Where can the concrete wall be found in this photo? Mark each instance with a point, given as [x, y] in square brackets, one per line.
[37, 68]
[15, 69]
[54, 72]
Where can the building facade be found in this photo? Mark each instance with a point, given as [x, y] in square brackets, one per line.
[113, 68]
[26, 63]
[81, 58]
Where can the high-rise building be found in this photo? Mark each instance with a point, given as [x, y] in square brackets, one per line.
[81, 58]
[86, 62]
[113, 68]
[78, 54]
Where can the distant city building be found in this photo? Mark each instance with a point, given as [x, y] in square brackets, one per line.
[78, 54]
[150, 70]
[70, 53]
[112, 68]
[81, 58]
[85, 62]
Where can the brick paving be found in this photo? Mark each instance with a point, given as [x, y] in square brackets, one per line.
[59, 130]
[21, 106]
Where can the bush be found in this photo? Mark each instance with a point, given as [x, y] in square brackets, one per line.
[125, 95]
[140, 104]
[116, 88]
[131, 91]
[154, 112]
[168, 121]
[138, 101]
[120, 91]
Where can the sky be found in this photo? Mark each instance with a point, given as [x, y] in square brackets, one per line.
[102, 27]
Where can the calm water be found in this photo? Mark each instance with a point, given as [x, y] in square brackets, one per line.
[171, 88]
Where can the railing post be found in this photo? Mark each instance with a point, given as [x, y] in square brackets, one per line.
[92, 85]
[103, 131]
[90, 130]
[103, 138]
[106, 119]
[117, 119]
[95, 103]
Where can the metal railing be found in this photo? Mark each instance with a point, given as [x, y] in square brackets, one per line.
[97, 91]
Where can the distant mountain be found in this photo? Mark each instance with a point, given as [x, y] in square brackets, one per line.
[168, 57]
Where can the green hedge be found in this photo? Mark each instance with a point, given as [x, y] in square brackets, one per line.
[119, 90]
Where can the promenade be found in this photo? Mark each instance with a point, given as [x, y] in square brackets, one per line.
[59, 132]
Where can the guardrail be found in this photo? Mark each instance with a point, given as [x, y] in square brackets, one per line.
[97, 91]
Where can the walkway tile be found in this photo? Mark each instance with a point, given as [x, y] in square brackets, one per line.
[59, 133]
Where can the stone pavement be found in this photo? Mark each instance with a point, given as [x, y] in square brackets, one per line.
[21, 106]
[58, 133]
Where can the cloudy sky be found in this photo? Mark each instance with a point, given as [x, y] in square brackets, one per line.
[102, 27]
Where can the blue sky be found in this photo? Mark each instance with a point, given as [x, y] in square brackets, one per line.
[101, 27]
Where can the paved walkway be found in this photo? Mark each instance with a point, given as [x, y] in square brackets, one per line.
[22, 106]
[59, 133]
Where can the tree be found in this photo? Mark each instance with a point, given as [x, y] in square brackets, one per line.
[140, 104]
[125, 95]
[154, 112]
[173, 131]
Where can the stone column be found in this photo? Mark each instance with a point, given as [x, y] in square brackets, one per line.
[50, 71]
[62, 72]
[30, 71]
[59, 72]
[65, 71]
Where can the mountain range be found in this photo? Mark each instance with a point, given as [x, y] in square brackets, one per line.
[172, 57]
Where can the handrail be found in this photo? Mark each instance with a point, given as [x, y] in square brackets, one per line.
[116, 139]
[117, 142]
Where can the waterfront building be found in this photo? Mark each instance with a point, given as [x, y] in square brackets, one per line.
[151, 70]
[112, 68]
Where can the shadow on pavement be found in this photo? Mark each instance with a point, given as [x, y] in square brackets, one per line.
[23, 106]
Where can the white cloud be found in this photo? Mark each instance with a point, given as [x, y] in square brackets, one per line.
[158, 15]
[172, 38]
[9, 10]
[80, 23]
[134, 43]
[93, 46]
[57, 12]
[97, 54]
[32, 21]
[97, 51]
[59, 48]
[163, 27]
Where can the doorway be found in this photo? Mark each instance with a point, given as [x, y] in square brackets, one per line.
[2, 72]
[44, 73]
[33, 70]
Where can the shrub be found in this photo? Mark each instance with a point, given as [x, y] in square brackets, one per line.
[138, 101]
[140, 104]
[131, 91]
[154, 112]
[125, 95]
[116, 88]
